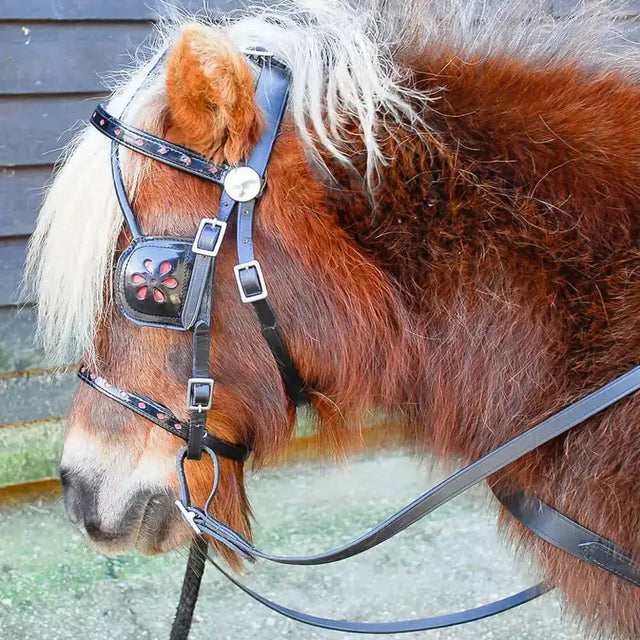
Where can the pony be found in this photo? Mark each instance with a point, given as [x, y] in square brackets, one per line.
[450, 234]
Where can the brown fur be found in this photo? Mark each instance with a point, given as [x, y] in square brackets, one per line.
[492, 281]
[211, 97]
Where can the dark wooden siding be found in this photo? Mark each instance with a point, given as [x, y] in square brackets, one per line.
[55, 57]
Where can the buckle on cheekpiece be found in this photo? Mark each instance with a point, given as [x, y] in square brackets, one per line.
[254, 289]
[199, 394]
[206, 224]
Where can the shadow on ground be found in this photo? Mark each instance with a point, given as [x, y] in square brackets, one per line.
[53, 587]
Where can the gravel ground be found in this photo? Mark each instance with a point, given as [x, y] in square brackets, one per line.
[53, 587]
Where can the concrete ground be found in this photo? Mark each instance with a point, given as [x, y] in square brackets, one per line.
[53, 587]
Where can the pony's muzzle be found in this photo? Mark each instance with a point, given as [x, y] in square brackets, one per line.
[142, 523]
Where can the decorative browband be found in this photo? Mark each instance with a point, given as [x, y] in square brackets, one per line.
[161, 416]
[174, 155]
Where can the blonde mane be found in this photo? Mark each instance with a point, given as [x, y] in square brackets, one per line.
[345, 62]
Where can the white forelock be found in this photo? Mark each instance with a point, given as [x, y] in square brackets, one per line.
[343, 56]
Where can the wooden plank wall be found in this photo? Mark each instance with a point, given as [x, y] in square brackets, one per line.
[55, 57]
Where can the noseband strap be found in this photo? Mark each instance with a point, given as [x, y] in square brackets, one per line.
[162, 416]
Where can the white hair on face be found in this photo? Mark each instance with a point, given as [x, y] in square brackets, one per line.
[344, 58]
[71, 250]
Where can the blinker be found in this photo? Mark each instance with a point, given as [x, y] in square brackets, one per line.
[152, 279]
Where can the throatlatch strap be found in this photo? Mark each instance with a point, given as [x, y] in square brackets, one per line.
[253, 290]
[271, 96]
[568, 535]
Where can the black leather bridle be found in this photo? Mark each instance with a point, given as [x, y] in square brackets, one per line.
[168, 282]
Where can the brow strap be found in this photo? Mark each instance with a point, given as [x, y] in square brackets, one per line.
[140, 141]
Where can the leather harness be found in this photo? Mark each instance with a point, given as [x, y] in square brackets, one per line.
[168, 283]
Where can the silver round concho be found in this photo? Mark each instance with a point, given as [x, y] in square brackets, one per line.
[242, 184]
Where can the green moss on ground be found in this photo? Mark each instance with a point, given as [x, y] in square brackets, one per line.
[29, 453]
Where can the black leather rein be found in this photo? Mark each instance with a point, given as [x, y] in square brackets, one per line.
[168, 283]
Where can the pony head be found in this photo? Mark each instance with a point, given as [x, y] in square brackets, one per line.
[335, 307]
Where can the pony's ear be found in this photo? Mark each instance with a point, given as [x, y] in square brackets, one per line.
[211, 96]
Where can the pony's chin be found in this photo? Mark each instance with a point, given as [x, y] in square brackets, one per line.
[157, 529]
[151, 543]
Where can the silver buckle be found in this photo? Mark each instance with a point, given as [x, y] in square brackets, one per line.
[262, 294]
[190, 384]
[188, 516]
[212, 222]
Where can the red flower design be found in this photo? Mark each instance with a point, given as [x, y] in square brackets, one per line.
[153, 280]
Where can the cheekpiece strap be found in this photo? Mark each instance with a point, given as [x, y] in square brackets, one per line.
[151, 146]
[161, 416]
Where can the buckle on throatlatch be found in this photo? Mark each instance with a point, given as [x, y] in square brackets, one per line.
[259, 291]
[205, 223]
[199, 394]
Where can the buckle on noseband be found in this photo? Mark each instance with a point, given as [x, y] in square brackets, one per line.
[209, 224]
[199, 394]
[252, 288]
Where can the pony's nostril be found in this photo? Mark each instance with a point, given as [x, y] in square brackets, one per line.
[93, 529]
[79, 496]
[65, 478]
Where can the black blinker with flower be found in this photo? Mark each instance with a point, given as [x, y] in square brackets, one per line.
[151, 280]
